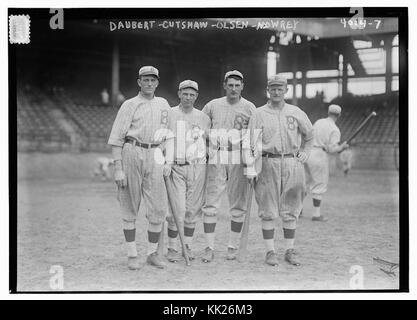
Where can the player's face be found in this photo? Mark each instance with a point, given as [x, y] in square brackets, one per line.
[233, 88]
[148, 84]
[277, 92]
[187, 97]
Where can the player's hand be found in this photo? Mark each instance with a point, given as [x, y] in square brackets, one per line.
[167, 170]
[344, 145]
[120, 178]
[302, 156]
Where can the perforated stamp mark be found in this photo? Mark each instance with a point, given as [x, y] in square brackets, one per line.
[19, 29]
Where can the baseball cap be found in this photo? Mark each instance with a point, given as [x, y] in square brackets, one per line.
[188, 84]
[277, 79]
[149, 71]
[233, 73]
[334, 108]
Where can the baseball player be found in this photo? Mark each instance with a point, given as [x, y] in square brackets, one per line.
[102, 168]
[346, 158]
[190, 127]
[229, 117]
[286, 136]
[137, 139]
[326, 140]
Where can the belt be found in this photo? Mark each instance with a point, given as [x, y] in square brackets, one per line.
[140, 144]
[186, 163]
[278, 155]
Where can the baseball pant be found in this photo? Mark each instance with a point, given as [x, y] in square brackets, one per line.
[188, 183]
[317, 172]
[218, 177]
[144, 181]
[280, 190]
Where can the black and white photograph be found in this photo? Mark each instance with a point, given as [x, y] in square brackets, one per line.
[208, 149]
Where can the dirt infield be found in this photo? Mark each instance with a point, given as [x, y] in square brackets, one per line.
[73, 222]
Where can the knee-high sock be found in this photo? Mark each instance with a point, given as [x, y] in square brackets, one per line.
[234, 235]
[172, 239]
[316, 207]
[289, 237]
[268, 233]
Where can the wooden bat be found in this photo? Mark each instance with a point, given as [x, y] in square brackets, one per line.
[360, 127]
[180, 228]
[243, 245]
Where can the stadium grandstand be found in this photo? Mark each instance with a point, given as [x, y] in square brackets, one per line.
[59, 106]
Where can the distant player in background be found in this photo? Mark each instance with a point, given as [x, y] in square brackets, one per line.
[188, 175]
[286, 135]
[346, 159]
[103, 166]
[326, 140]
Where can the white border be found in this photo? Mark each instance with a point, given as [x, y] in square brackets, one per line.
[4, 221]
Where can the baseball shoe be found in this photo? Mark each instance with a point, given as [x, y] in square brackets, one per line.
[172, 255]
[154, 260]
[189, 252]
[208, 255]
[320, 218]
[231, 253]
[133, 263]
[290, 257]
[271, 258]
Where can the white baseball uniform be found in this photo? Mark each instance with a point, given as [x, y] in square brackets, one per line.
[326, 139]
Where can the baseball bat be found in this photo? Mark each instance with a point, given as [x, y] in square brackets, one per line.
[243, 245]
[360, 127]
[177, 222]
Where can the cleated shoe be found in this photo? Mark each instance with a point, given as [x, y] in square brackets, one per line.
[133, 263]
[172, 255]
[290, 257]
[231, 253]
[155, 260]
[271, 258]
[208, 255]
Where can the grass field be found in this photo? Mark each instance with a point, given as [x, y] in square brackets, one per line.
[73, 222]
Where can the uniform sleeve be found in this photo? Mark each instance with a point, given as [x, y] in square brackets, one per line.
[172, 125]
[121, 124]
[207, 110]
[306, 129]
[253, 133]
[207, 124]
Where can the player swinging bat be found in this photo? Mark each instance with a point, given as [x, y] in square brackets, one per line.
[361, 126]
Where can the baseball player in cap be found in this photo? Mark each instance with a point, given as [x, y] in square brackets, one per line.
[137, 139]
[280, 137]
[326, 140]
[229, 117]
[190, 127]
